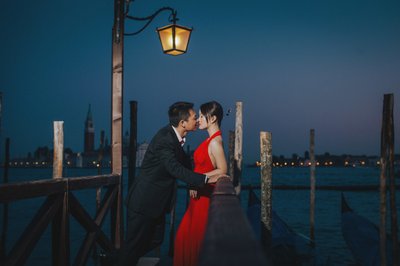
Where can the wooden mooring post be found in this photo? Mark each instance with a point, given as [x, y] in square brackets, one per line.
[232, 155]
[58, 149]
[266, 187]
[238, 147]
[312, 186]
[60, 224]
[132, 143]
[387, 168]
[3, 250]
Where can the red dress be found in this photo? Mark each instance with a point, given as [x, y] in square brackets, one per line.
[190, 233]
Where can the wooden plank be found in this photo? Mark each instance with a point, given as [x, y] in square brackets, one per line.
[60, 234]
[91, 236]
[83, 217]
[46, 187]
[30, 189]
[77, 183]
[92, 226]
[25, 244]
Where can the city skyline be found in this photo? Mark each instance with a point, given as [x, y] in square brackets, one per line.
[295, 66]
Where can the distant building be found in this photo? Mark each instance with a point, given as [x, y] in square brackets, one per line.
[89, 134]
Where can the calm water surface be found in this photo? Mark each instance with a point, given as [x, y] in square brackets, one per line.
[291, 205]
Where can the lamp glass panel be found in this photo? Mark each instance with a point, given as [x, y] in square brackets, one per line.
[166, 38]
[182, 36]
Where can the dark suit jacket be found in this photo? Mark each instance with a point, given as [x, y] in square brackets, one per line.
[154, 190]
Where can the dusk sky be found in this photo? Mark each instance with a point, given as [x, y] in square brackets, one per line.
[295, 65]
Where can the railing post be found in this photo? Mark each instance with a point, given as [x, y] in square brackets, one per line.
[312, 186]
[60, 224]
[266, 187]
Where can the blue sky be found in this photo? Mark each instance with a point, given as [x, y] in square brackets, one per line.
[295, 65]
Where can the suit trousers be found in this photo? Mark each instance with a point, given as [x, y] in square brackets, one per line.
[144, 233]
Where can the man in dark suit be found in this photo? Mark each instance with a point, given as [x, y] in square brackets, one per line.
[153, 192]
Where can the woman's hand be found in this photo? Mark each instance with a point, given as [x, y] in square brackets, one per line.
[193, 193]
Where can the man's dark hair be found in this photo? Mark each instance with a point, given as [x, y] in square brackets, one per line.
[212, 108]
[179, 111]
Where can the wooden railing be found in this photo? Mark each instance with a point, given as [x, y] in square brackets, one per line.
[57, 207]
[229, 239]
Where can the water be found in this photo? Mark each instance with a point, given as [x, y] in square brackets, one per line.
[291, 205]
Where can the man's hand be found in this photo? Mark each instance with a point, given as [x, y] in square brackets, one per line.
[193, 193]
[214, 178]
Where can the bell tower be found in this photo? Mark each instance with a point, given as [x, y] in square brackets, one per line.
[89, 133]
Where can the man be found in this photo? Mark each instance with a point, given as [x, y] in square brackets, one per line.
[153, 192]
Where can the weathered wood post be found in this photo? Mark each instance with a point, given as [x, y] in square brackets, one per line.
[393, 210]
[98, 190]
[101, 154]
[387, 168]
[266, 187]
[60, 225]
[232, 154]
[58, 149]
[312, 186]
[132, 144]
[382, 187]
[116, 117]
[3, 242]
[238, 147]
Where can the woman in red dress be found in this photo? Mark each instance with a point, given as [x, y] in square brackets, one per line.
[209, 159]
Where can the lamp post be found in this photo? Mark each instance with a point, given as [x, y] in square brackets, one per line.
[174, 40]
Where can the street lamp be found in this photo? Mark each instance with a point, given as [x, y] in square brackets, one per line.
[174, 40]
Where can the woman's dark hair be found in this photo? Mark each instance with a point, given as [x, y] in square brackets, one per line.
[179, 111]
[212, 108]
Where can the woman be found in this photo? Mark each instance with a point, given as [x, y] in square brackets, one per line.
[209, 159]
